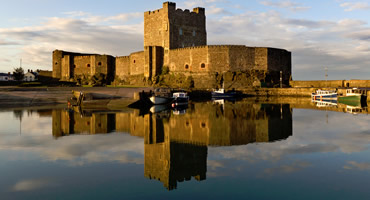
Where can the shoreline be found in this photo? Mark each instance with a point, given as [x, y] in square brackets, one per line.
[16, 97]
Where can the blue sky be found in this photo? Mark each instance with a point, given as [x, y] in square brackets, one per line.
[333, 33]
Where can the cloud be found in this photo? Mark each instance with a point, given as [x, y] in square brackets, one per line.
[360, 35]
[6, 43]
[28, 185]
[357, 166]
[79, 35]
[293, 6]
[294, 167]
[313, 43]
[352, 6]
[80, 150]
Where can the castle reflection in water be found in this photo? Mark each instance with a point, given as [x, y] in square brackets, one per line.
[176, 145]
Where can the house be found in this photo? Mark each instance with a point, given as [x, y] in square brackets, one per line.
[6, 77]
[30, 76]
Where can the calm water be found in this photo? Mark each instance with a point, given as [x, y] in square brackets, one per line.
[209, 151]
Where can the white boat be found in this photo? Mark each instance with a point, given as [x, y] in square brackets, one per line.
[221, 93]
[180, 98]
[353, 109]
[324, 95]
[325, 103]
[158, 100]
[161, 96]
[158, 108]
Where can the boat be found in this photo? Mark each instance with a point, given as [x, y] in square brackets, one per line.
[180, 110]
[354, 109]
[353, 97]
[161, 96]
[324, 95]
[221, 94]
[159, 108]
[180, 98]
[325, 103]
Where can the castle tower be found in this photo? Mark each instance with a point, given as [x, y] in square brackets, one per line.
[57, 64]
[171, 28]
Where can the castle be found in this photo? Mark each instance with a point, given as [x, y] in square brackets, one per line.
[175, 40]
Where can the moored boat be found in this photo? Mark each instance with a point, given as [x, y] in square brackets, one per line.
[180, 98]
[161, 96]
[221, 93]
[324, 95]
[353, 96]
[354, 109]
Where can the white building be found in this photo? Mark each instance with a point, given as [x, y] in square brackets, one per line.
[30, 76]
[6, 77]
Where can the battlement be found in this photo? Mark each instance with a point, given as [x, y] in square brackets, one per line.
[211, 47]
[188, 48]
[122, 57]
[170, 6]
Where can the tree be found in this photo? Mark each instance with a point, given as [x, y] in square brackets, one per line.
[18, 73]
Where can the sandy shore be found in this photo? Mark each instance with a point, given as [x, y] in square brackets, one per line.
[13, 97]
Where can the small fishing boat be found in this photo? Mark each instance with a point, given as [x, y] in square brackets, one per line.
[180, 98]
[161, 96]
[221, 94]
[353, 96]
[325, 95]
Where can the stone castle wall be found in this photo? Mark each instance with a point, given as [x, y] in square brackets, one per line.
[123, 66]
[67, 65]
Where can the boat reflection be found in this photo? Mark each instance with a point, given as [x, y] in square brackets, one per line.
[176, 143]
[348, 107]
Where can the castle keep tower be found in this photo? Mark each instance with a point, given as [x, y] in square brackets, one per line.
[171, 28]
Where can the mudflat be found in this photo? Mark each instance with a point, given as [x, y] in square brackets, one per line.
[12, 97]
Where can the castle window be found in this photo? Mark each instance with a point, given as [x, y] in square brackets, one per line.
[56, 63]
[180, 31]
[99, 64]
[88, 65]
[134, 61]
[203, 125]
[74, 66]
[186, 66]
[194, 33]
[203, 66]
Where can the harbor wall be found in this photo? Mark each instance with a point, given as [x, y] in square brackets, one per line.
[331, 83]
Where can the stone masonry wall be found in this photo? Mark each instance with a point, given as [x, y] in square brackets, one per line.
[187, 28]
[122, 66]
[260, 62]
[137, 63]
[188, 60]
[242, 58]
[156, 28]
